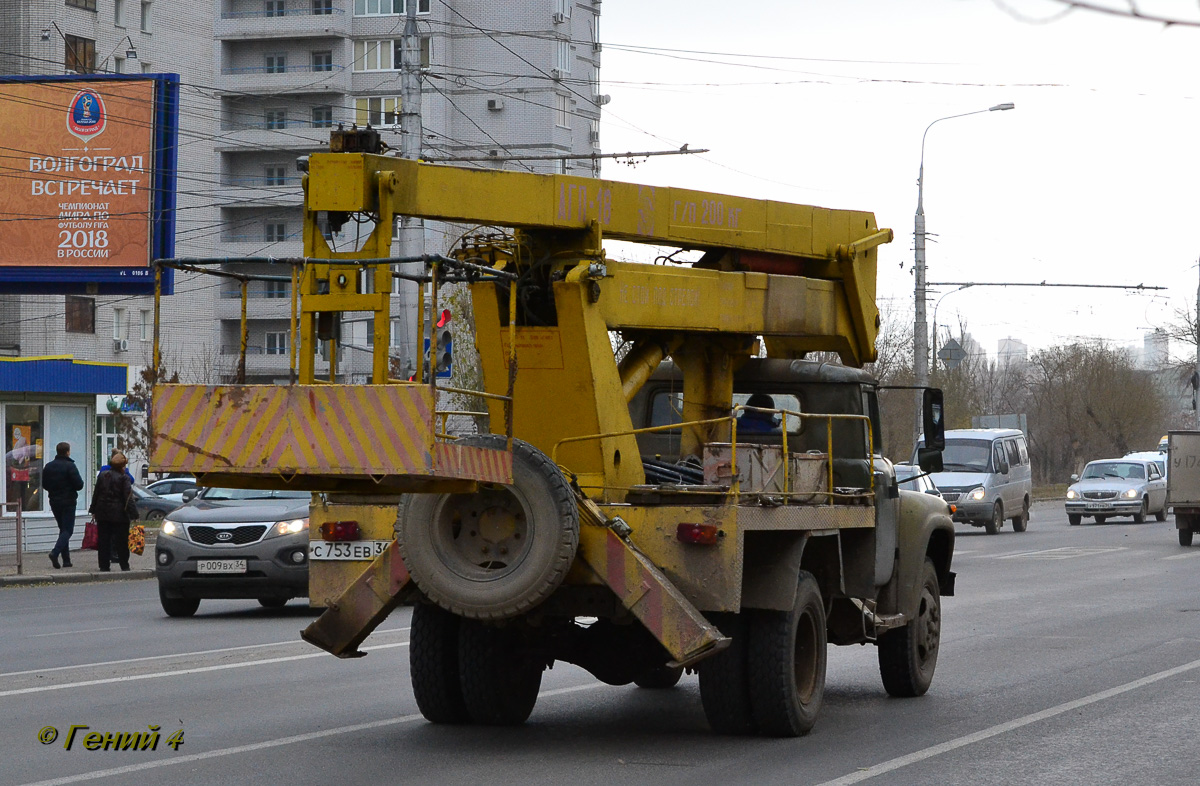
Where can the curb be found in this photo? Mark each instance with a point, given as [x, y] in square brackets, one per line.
[75, 578]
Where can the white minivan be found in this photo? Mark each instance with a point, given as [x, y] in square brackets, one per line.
[985, 475]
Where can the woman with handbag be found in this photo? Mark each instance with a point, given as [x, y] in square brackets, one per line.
[112, 505]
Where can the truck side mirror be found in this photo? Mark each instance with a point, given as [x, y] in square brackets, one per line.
[929, 459]
[932, 413]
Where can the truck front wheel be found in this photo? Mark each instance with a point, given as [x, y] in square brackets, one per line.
[908, 655]
[788, 651]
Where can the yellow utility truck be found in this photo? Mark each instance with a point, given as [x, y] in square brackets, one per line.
[669, 484]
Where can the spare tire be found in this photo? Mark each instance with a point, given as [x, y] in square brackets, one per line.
[499, 552]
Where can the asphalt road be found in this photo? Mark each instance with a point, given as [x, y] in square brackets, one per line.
[1069, 656]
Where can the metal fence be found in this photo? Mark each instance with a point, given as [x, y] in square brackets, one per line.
[12, 537]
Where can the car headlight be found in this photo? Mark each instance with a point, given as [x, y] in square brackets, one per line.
[1072, 494]
[978, 494]
[290, 527]
[170, 528]
[1130, 494]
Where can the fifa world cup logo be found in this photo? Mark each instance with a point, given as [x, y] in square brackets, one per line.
[87, 109]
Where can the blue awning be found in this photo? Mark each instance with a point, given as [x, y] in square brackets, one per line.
[61, 374]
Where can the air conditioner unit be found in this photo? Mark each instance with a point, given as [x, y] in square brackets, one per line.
[121, 345]
[559, 17]
[556, 73]
[495, 104]
[601, 100]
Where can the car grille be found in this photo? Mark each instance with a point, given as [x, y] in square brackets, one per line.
[239, 536]
[951, 496]
[1099, 495]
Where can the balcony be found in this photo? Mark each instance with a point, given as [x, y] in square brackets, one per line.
[295, 19]
[298, 135]
[258, 305]
[295, 80]
[260, 191]
[259, 363]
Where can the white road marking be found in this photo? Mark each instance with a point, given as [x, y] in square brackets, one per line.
[958, 553]
[1186, 555]
[171, 655]
[72, 632]
[257, 746]
[1003, 728]
[183, 672]
[1064, 552]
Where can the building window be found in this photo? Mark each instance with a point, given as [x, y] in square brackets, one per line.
[276, 63]
[147, 325]
[376, 55]
[275, 289]
[86, 5]
[564, 7]
[322, 7]
[120, 326]
[426, 51]
[277, 342]
[276, 175]
[119, 13]
[118, 65]
[563, 60]
[275, 8]
[79, 54]
[386, 7]
[81, 315]
[146, 17]
[276, 232]
[377, 111]
[322, 61]
[322, 116]
[276, 119]
[562, 113]
[560, 166]
[24, 448]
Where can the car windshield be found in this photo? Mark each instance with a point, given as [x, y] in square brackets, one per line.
[235, 494]
[967, 455]
[1114, 469]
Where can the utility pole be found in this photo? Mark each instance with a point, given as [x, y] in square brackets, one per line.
[1196, 373]
[411, 231]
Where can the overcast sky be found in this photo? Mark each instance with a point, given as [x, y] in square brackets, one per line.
[1093, 178]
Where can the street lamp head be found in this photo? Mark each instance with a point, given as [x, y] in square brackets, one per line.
[1002, 107]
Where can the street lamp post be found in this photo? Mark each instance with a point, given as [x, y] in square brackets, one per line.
[921, 329]
[934, 349]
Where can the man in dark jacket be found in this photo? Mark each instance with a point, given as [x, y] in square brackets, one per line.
[62, 482]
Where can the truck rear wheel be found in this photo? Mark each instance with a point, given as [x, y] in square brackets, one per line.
[499, 679]
[908, 655]
[496, 553]
[724, 689]
[433, 664]
[788, 651]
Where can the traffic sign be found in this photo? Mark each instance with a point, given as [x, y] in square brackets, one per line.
[951, 354]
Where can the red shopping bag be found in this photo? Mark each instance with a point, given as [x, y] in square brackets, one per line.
[91, 535]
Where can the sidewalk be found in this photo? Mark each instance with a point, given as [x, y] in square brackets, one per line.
[38, 569]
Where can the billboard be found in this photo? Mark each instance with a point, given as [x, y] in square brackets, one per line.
[88, 200]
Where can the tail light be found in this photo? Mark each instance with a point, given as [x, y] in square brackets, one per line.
[339, 530]
[700, 534]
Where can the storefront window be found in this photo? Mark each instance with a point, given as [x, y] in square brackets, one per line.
[23, 434]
